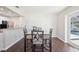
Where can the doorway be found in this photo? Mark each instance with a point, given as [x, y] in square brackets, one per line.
[72, 29]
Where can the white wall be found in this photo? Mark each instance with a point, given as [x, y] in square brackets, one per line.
[61, 33]
[46, 21]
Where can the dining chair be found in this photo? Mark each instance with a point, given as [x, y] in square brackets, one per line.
[35, 28]
[25, 31]
[48, 41]
[37, 40]
[27, 40]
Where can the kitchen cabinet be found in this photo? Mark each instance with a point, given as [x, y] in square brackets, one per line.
[9, 37]
[1, 41]
[12, 36]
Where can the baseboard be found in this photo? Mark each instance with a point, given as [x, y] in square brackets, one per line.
[73, 45]
[61, 39]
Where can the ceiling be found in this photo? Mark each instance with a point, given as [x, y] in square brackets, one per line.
[31, 9]
[4, 11]
[43, 9]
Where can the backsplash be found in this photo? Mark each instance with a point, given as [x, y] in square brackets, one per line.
[11, 22]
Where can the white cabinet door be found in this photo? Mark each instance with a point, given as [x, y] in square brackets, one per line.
[9, 37]
[1, 41]
[12, 36]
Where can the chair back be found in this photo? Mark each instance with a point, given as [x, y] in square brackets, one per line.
[51, 33]
[48, 41]
[37, 37]
[34, 28]
[25, 30]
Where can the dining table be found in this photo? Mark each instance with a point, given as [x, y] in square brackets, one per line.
[29, 38]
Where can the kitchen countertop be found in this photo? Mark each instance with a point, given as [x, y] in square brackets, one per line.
[2, 30]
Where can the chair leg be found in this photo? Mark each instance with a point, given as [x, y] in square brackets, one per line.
[42, 47]
[50, 46]
[24, 44]
[33, 48]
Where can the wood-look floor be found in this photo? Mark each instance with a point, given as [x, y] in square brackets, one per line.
[57, 46]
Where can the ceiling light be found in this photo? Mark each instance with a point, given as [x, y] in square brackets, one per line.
[17, 6]
[0, 12]
[1, 9]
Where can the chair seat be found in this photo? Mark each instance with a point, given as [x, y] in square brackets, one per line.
[29, 37]
[46, 36]
[46, 45]
[47, 48]
[37, 41]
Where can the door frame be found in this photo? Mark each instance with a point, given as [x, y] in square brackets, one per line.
[68, 28]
